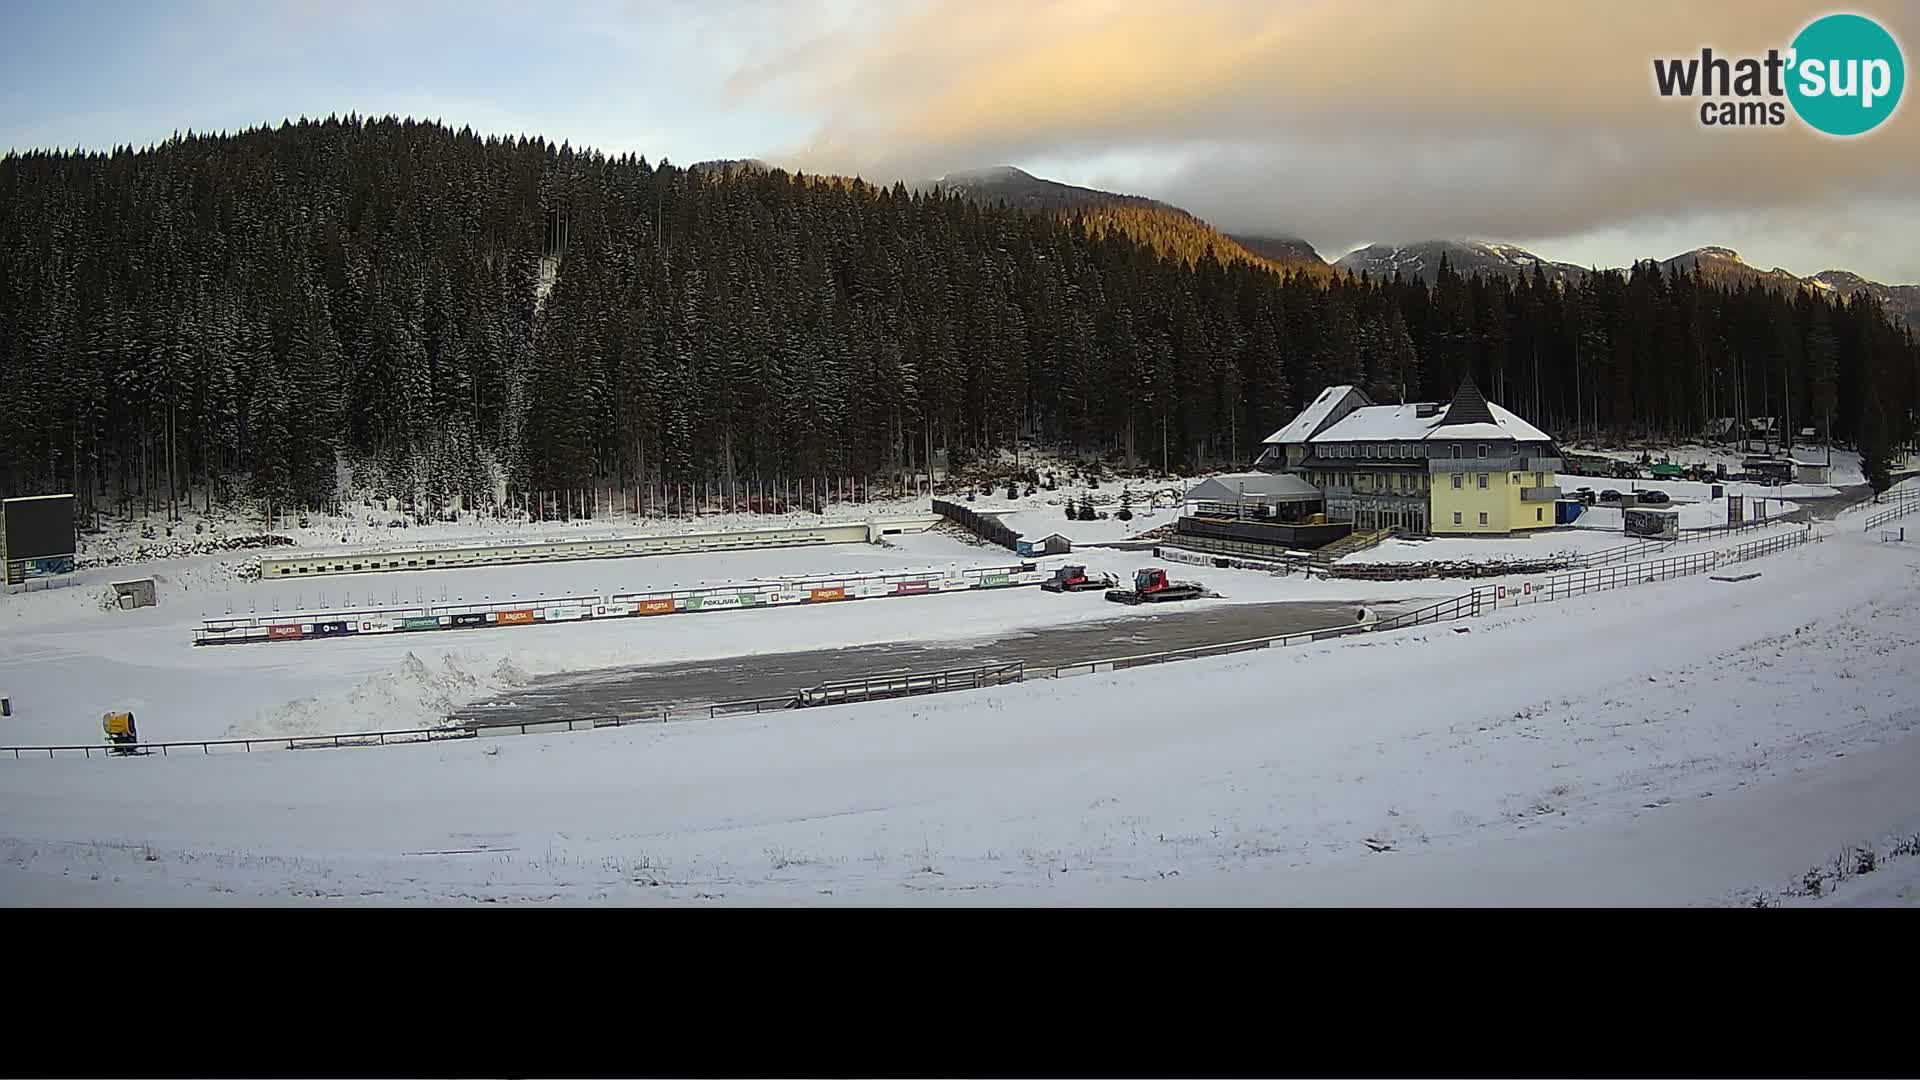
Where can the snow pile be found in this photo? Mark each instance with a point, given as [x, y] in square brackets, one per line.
[414, 694]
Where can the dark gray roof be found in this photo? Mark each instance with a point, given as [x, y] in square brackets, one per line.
[1265, 487]
[1469, 406]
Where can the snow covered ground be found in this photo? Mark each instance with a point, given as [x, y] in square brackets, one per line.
[65, 659]
[1670, 743]
[1549, 544]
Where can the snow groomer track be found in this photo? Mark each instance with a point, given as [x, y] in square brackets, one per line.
[534, 611]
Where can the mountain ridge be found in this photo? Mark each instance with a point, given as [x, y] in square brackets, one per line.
[1173, 230]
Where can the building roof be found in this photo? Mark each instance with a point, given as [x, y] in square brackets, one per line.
[1380, 423]
[1391, 423]
[1469, 406]
[1265, 487]
[1306, 425]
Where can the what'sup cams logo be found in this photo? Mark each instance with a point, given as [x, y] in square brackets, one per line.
[1843, 75]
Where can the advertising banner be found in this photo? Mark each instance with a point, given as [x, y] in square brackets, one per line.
[420, 622]
[835, 593]
[515, 618]
[282, 632]
[653, 607]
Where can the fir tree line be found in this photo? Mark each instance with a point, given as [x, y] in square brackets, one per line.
[251, 309]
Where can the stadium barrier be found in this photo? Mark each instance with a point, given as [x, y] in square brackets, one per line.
[542, 610]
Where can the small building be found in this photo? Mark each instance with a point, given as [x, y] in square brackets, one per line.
[138, 593]
[1246, 512]
[1053, 544]
[1261, 496]
[1810, 472]
[1651, 524]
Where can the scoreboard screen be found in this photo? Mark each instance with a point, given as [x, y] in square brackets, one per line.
[37, 537]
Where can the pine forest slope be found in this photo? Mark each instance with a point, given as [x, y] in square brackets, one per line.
[243, 309]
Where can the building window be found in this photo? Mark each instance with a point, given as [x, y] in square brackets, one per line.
[1539, 479]
[1456, 517]
[1456, 479]
[1483, 450]
[1483, 480]
[1516, 479]
[1454, 452]
[1483, 517]
[1539, 514]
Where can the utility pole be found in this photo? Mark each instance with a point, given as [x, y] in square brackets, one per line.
[1163, 445]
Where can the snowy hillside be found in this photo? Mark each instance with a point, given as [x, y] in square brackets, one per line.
[1679, 743]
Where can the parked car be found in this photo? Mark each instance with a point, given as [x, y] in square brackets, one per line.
[1656, 498]
[1609, 495]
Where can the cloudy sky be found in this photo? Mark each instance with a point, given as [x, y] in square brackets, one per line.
[1526, 121]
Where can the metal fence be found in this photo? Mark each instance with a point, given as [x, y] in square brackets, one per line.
[912, 684]
[1900, 509]
[279, 742]
[1580, 582]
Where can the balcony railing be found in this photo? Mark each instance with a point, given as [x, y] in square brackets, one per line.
[1539, 494]
[1504, 463]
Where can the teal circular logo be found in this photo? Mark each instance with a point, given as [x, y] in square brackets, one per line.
[1845, 74]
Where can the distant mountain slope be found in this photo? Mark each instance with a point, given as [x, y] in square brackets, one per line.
[1901, 300]
[1169, 230]
[1024, 191]
[1724, 266]
[1467, 257]
[1281, 249]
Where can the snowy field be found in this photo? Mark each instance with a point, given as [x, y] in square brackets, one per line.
[1685, 742]
[65, 660]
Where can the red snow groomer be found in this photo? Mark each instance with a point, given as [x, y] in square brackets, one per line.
[1151, 586]
[1076, 579]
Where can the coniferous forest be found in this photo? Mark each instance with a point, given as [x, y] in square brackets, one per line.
[235, 314]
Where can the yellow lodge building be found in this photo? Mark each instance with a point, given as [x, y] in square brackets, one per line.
[1464, 468]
